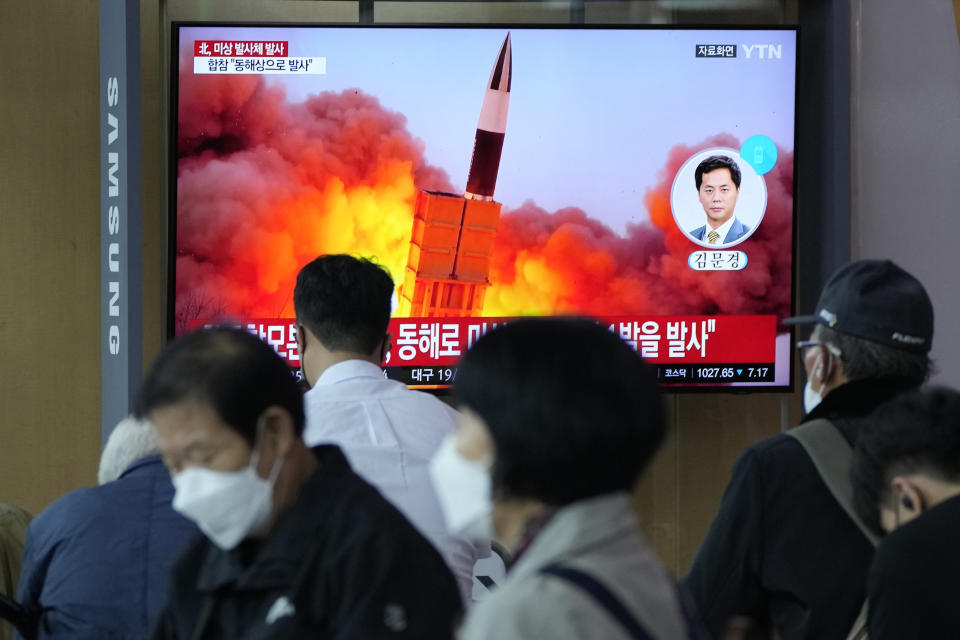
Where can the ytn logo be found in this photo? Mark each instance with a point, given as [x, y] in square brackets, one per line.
[763, 51]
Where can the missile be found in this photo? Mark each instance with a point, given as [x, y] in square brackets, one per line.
[488, 144]
[451, 244]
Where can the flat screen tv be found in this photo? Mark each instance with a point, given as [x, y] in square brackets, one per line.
[640, 176]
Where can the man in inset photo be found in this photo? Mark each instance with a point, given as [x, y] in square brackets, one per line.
[718, 183]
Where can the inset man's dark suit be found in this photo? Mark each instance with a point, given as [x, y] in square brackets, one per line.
[737, 231]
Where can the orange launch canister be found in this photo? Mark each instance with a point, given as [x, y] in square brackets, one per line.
[449, 262]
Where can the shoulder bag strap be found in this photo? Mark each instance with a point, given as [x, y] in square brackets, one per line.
[603, 596]
[832, 456]
[859, 629]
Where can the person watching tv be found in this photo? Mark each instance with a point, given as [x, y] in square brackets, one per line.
[96, 561]
[906, 481]
[387, 431]
[782, 550]
[559, 419]
[296, 544]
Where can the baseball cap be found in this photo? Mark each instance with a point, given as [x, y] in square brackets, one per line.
[878, 301]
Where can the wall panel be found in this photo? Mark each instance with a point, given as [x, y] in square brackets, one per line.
[49, 250]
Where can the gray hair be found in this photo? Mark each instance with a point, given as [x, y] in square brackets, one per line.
[866, 360]
[130, 440]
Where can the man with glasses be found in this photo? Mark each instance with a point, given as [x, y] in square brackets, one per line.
[782, 549]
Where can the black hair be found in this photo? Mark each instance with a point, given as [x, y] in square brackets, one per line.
[917, 432]
[717, 162]
[230, 370]
[866, 360]
[344, 301]
[573, 411]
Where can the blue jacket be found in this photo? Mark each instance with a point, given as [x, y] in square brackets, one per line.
[97, 560]
[737, 231]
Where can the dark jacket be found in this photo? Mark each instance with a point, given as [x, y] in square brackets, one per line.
[96, 560]
[913, 586]
[781, 549]
[340, 562]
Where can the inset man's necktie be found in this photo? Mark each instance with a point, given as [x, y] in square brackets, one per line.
[712, 237]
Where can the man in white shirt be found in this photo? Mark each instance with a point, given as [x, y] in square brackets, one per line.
[388, 432]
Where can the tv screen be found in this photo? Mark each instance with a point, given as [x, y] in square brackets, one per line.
[640, 176]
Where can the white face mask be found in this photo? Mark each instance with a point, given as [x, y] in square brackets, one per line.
[463, 487]
[811, 398]
[226, 505]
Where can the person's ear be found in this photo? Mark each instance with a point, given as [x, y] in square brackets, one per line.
[301, 339]
[279, 434]
[911, 502]
[834, 374]
[828, 367]
[385, 347]
[817, 371]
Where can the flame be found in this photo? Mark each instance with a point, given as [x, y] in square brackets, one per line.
[564, 262]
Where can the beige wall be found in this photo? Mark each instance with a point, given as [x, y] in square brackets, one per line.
[678, 497]
[49, 252]
[905, 152]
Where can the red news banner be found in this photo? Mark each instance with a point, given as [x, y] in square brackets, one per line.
[440, 342]
[241, 48]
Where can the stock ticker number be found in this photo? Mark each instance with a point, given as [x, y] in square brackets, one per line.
[713, 373]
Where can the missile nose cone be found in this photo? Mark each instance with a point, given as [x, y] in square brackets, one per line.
[488, 145]
[502, 71]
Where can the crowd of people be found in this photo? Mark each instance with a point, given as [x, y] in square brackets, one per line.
[234, 505]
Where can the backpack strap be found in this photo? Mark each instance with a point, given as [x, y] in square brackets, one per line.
[603, 596]
[832, 455]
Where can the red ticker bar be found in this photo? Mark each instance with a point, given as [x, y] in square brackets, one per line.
[660, 339]
[720, 341]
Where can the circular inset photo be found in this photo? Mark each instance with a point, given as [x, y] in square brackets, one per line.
[717, 198]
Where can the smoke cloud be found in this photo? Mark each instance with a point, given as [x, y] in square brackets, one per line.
[567, 262]
[265, 186]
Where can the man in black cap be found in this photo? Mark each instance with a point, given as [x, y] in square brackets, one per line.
[783, 549]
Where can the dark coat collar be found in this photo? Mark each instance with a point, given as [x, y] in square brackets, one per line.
[857, 399]
[274, 562]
